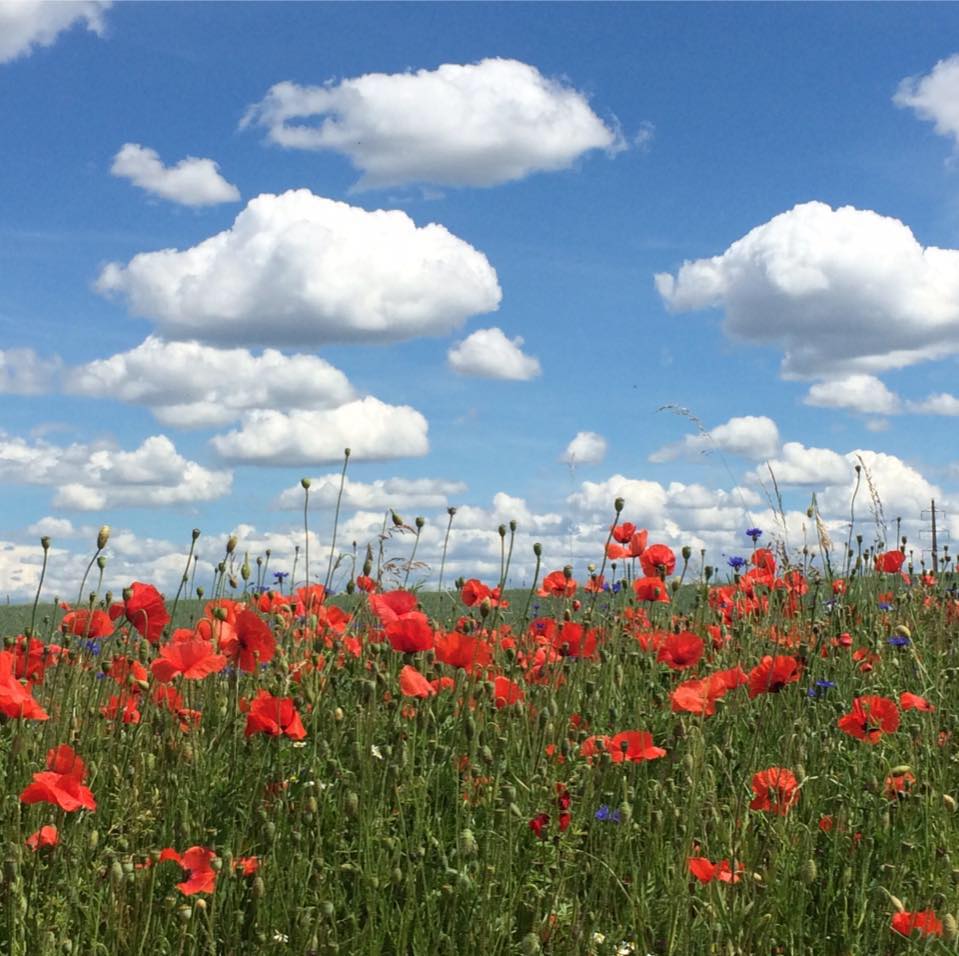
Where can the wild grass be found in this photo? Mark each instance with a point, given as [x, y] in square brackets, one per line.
[404, 824]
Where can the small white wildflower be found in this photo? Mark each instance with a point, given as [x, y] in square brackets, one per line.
[376, 752]
[299, 744]
[599, 938]
[279, 937]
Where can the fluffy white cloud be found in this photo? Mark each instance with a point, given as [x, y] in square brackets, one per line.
[487, 353]
[841, 291]
[941, 404]
[299, 270]
[189, 385]
[587, 448]
[381, 493]
[54, 527]
[192, 182]
[23, 372]
[26, 24]
[798, 465]
[99, 476]
[459, 125]
[859, 393]
[371, 429]
[750, 436]
[902, 489]
[935, 96]
[645, 501]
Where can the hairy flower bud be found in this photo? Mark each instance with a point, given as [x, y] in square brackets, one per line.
[103, 536]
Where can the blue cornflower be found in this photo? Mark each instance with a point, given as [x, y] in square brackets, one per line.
[736, 562]
[279, 576]
[754, 533]
[92, 646]
[606, 815]
[885, 606]
[819, 688]
[900, 640]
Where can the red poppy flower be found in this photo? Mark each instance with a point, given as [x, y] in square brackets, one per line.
[250, 642]
[693, 697]
[144, 608]
[274, 716]
[246, 865]
[124, 705]
[31, 658]
[772, 674]
[681, 651]
[193, 659]
[623, 532]
[765, 560]
[506, 693]
[631, 547]
[651, 589]
[776, 789]
[45, 836]
[365, 583]
[898, 784]
[169, 698]
[556, 584]
[466, 651]
[925, 923]
[870, 718]
[909, 701]
[658, 560]
[414, 684]
[390, 605]
[16, 699]
[538, 824]
[890, 562]
[634, 746]
[87, 624]
[197, 861]
[573, 640]
[62, 782]
[410, 633]
[706, 872]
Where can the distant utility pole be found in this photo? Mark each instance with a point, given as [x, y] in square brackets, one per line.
[931, 517]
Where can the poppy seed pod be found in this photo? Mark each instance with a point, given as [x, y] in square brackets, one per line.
[305, 483]
[538, 549]
[45, 542]
[619, 504]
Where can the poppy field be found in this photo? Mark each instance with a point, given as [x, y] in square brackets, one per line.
[649, 755]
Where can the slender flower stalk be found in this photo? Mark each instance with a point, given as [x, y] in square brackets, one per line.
[336, 517]
[446, 540]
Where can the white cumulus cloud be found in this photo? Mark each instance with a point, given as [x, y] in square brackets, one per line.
[857, 392]
[26, 24]
[192, 182]
[297, 269]
[23, 372]
[188, 385]
[488, 353]
[586, 448]
[839, 290]
[459, 125]
[941, 404]
[935, 96]
[371, 429]
[99, 475]
[749, 436]
[380, 493]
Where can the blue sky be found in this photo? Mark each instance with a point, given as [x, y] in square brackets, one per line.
[544, 163]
